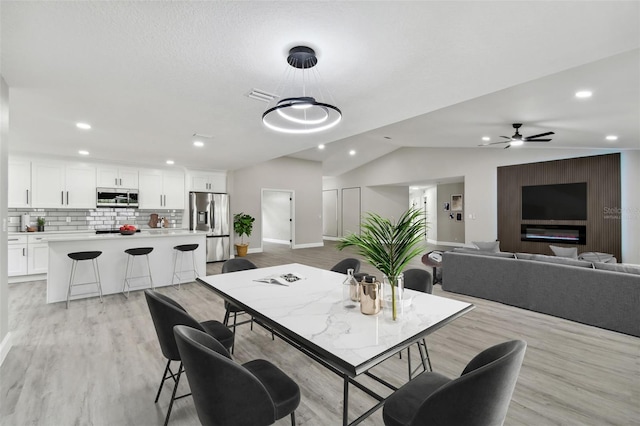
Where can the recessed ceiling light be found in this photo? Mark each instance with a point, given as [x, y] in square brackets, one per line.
[170, 162]
[83, 126]
[321, 146]
[486, 138]
[612, 138]
[199, 144]
[83, 152]
[352, 152]
[584, 94]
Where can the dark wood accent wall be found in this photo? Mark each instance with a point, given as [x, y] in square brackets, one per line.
[602, 174]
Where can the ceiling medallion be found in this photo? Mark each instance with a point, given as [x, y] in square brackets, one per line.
[302, 110]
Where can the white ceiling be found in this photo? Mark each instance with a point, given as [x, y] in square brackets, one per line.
[148, 75]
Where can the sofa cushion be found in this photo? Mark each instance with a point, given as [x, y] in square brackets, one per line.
[525, 256]
[484, 253]
[618, 267]
[492, 246]
[562, 260]
[594, 256]
[570, 252]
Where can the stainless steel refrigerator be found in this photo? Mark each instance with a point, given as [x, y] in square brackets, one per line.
[209, 212]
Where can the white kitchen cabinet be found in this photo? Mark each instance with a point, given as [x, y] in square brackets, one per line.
[60, 185]
[16, 255]
[38, 258]
[161, 190]
[115, 177]
[208, 181]
[19, 183]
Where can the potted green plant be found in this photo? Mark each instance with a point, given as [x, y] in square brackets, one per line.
[389, 246]
[242, 225]
[41, 223]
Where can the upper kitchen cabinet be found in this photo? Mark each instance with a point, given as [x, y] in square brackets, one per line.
[160, 189]
[117, 177]
[60, 185]
[207, 181]
[19, 183]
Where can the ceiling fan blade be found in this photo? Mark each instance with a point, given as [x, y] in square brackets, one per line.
[537, 140]
[492, 143]
[508, 146]
[537, 136]
[506, 137]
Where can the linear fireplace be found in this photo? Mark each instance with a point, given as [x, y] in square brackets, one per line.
[566, 234]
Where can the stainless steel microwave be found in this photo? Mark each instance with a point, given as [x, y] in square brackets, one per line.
[116, 197]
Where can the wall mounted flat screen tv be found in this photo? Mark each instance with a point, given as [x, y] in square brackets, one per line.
[565, 201]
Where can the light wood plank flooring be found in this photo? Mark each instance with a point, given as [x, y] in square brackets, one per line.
[100, 364]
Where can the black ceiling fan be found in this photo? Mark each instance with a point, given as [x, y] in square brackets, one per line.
[518, 139]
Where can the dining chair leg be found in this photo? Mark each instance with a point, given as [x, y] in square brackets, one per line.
[409, 361]
[293, 418]
[173, 394]
[426, 352]
[164, 377]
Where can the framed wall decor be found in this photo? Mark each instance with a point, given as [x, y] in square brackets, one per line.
[459, 217]
[451, 216]
[456, 203]
[446, 207]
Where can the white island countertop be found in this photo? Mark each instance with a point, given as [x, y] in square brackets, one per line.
[113, 260]
[147, 233]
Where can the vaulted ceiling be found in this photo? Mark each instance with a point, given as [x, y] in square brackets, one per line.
[149, 75]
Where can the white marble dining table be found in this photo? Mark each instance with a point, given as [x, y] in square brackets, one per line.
[309, 314]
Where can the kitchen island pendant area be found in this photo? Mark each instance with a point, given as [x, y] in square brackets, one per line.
[113, 261]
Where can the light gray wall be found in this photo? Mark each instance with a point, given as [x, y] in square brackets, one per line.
[450, 230]
[5, 337]
[432, 213]
[478, 167]
[301, 176]
[275, 216]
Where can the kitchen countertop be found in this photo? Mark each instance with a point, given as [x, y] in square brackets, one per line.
[150, 233]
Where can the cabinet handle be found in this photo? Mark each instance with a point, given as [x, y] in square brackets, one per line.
[160, 199]
[67, 197]
[13, 239]
[27, 196]
[62, 197]
[23, 252]
[115, 180]
[120, 181]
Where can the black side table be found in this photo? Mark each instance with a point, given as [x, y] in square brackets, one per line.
[431, 259]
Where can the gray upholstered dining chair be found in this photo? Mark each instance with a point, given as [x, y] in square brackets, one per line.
[419, 280]
[479, 397]
[344, 264]
[167, 313]
[227, 393]
[234, 265]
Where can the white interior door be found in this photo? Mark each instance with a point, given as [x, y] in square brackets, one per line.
[330, 213]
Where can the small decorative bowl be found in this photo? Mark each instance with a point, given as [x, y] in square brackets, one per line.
[128, 232]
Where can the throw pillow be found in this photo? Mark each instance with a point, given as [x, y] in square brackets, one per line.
[618, 267]
[492, 246]
[525, 256]
[570, 252]
[562, 261]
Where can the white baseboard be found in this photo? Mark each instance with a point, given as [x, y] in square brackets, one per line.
[272, 240]
[26, 278]
[331, 238]
[255, 250]
[5, 347]
[309, 245]
[449, 243]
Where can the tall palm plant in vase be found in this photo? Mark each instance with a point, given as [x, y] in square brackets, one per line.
[389, 246]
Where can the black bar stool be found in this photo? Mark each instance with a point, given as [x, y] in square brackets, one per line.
[177, 273]
[133, 252]
[80, 256]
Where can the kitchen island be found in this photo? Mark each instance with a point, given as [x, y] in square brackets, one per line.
[113, 260]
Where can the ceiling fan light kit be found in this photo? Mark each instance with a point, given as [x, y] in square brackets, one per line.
[304, 110]
[517, 139]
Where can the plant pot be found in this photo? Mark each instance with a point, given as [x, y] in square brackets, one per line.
[40, 228]
[241, 249]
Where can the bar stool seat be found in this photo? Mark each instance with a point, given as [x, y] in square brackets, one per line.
[133, 252]
[177, 273]
[80, 256]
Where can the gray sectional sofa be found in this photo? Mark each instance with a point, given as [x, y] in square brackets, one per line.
[598, 294]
